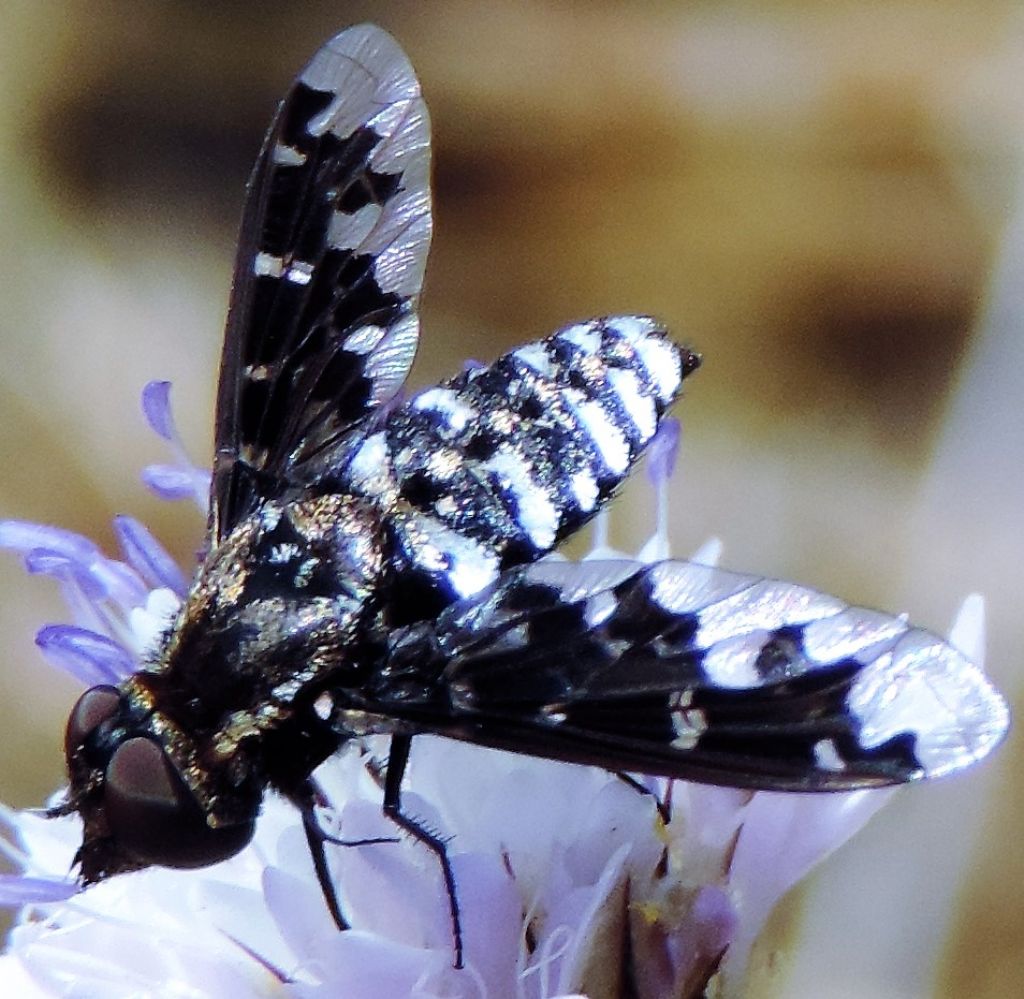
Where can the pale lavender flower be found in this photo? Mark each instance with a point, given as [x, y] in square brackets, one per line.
[571, 882]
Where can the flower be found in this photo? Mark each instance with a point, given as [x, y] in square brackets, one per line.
[571, 881]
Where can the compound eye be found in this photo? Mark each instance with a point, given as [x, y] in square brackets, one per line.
[95, 706]
[154, 817]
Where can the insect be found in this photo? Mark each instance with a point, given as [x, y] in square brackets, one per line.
[375, 567]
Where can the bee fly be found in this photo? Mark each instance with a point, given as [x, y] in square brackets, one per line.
[373, 567]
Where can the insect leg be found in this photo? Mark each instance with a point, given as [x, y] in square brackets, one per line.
[315, 838]
[664, 807]
[398, 757]
[307, 799]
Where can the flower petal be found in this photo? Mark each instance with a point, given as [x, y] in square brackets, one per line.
[968, 629]
[360, 965]
[23, 536]
[88, 657]
[20, 889]
[183, 479]
[299, 909]
[156, 405]
[172, 482]
[709, 553]
[663, 451]
[491, 919]
[783, 836]
[47, 562]
[147, 556]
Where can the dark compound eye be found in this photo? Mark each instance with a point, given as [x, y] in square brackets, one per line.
[154, 817]
[95, 706]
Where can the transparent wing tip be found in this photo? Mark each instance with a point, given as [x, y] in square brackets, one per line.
[932, 691]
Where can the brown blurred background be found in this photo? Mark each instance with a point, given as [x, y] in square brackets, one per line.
[824, 199]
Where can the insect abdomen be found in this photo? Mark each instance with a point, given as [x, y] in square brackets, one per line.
[495, 467]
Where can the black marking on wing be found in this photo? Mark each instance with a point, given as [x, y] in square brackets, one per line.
[322, 326]
[683, 670]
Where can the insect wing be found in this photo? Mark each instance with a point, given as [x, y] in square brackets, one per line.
[322, 327]
[689, 671]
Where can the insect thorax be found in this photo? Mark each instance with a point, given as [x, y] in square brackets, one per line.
[281, 611]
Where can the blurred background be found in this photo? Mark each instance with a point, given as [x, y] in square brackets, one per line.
[822, 198]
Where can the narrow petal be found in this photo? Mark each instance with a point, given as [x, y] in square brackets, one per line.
[661, 461]
[663, 451]
[156, 405]
[968, 630]
[88, 657]
[302, 917]
[709, 553]
[147, 556]
[597, 913]
[120, 583]
[183, 479]
[654, 549]
[17, 981]
[492, 921]
[17, 890]
[363, 966]
[46, 562]
[599, 547]
[783, 836]
[24, 536]
[172, 482]
[716, 918]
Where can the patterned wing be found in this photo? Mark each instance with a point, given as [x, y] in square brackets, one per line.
[495, 467]
[684, 670]
[322, 326]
